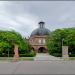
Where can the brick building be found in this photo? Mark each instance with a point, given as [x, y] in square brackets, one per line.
[37, 38]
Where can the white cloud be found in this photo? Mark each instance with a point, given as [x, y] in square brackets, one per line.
[22, 23]
[24, 16]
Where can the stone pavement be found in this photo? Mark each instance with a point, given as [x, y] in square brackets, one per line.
[45, 57]
[38, 67]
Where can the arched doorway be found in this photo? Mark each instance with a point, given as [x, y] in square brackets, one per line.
[42, 50]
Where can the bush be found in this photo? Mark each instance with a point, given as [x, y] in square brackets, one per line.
[9, 38]
[58, 37]
[6, 55]
[32, 54]
[71, 55]
[57, 55]
[25, 54]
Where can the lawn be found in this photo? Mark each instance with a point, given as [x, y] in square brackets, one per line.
[20, 59]
[72, 58]
[27, 58]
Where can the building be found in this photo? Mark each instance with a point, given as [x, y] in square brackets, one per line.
[37, 38]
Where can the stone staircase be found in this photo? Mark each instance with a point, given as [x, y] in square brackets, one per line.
[45, 57]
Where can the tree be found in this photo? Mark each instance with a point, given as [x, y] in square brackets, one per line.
[54, 40]
[9, 38]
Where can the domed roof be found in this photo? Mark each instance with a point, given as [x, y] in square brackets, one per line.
[41, 31]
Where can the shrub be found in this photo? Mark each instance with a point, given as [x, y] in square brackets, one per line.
[7, 41]
[6, 55]
[57, 54]
[31, 54]
[59, 37]
[71, 55]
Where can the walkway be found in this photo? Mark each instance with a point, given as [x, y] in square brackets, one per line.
[45, 57]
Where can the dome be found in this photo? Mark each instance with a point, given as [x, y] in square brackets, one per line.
[41, 31]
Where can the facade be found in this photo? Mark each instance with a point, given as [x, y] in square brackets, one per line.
[37, 38]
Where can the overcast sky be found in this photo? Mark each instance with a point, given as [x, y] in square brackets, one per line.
[23, 16]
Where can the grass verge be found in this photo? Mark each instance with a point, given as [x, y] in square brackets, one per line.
[20, 59]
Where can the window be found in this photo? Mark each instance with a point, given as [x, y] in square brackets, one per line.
[41, 41]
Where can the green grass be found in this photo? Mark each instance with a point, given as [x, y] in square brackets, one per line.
[26, 58]
[72, 58]
[20, 59]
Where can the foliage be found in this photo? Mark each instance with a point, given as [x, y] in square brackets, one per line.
[8, 39]
[30, 54]
[61, 37]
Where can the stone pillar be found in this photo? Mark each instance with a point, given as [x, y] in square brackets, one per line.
[65, 52]
[16, 53]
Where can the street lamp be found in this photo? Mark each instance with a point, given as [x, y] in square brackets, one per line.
[62, 41]
[8, 53]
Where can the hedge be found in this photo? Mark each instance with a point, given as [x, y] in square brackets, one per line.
[71, 55]
[31, 54]
[6, 55]
[26, 55]
[56, 55]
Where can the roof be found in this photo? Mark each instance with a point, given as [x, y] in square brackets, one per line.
[41, 31]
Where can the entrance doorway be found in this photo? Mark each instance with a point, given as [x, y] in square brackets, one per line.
[42, 50]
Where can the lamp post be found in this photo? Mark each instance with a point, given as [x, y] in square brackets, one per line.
[8, 53]
[62, 41]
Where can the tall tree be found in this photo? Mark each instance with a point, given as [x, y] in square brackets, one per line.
[54, 40]
[9, 38]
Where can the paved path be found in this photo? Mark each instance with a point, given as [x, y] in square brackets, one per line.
[38, 67]
[45, 57]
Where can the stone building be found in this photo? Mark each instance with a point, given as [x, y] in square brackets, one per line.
[37, 38]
